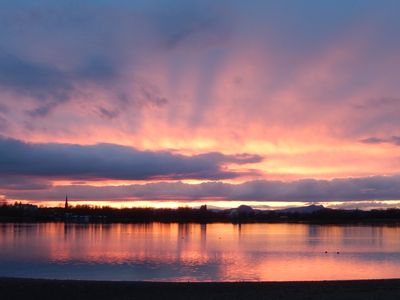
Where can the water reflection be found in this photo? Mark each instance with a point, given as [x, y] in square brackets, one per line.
[199, 252]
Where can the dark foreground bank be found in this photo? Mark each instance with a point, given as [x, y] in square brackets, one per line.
[323, 290]
[315, 214]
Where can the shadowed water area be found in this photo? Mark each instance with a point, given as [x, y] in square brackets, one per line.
[196, 252]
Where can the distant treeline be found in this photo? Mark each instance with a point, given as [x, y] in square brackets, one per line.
[92, 214]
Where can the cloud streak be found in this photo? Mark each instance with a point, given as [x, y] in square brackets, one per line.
[394, 140]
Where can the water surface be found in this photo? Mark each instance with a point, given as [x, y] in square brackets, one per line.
[194, 252]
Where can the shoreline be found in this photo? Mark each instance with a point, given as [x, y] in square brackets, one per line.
[312, 214]
[391, 223]
[21, 288]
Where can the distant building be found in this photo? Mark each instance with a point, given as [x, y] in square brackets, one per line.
[66, 203]
[25, 207]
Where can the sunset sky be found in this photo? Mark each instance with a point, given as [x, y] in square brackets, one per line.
[177, 102]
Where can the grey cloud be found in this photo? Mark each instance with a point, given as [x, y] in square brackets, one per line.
[365, 205]
[196, 24]
[243, 158]
[3, 123]
[376, 188]
[372, 140]
[382, 102]
[49, 85]
[197, 32]
[39, 81]
[109, 161]
[19, 183]
[3, 120]
[346, 189]
[97, 69]
[394, 140]
[108, 113]
[3, 108]
[42, 110]
[145, 92]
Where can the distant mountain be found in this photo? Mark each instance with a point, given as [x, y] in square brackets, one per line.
[242, 210]
[303, 210]
[245, 210]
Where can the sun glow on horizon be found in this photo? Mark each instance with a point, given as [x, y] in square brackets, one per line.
[214, 204]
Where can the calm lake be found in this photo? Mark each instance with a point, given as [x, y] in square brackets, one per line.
[194, 252]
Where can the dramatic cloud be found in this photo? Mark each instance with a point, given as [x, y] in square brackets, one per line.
[351, 189]
[107, 161]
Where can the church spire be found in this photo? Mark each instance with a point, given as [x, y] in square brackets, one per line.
[66, 202]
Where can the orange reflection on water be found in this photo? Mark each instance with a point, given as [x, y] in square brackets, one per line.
[199, 252]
